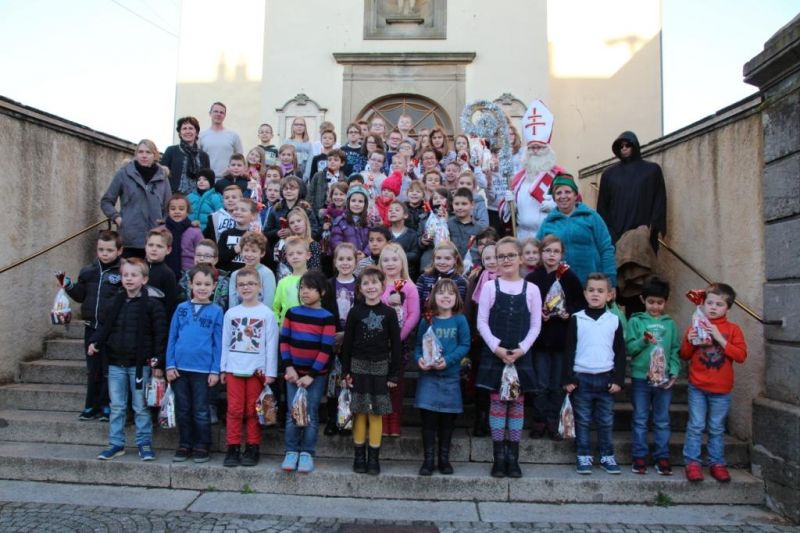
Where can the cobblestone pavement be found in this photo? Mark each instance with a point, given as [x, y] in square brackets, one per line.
[38, 517]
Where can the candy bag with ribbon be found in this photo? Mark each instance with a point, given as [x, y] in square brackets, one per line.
[699, 318]
[555, 301]
[566, 420]
[509, 383]
[300, 408]
[267, 407]
[61, 312]
[166, 415]
[344, 415]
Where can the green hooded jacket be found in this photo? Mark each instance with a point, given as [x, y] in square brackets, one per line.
[662, 328]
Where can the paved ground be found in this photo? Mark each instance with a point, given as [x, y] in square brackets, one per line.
[29, 506]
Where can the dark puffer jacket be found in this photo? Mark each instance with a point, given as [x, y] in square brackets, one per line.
[95, 290]
[134, 331]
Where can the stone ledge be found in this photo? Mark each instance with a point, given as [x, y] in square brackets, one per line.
[782, 372]
[404, 58]
[780, 56]
[62, 125]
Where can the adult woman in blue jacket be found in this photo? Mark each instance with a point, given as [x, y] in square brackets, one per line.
[587, 242]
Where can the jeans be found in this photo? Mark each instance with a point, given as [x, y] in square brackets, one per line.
[548, 395]
[707, 410]
[191, 410]
[122, 380]
[304, 439]
[591, 401]
[644, 398]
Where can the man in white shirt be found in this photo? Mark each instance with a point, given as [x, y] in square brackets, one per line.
[219, 143]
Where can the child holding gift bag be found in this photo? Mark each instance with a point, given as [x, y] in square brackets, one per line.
[509, 320]
[443, 339]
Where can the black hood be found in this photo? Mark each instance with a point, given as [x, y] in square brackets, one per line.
[631, 138]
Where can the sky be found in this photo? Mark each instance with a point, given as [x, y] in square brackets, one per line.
[111, 64]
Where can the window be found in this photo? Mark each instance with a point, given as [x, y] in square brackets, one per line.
[424, 112]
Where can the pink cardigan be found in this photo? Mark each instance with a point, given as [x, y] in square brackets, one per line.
[410, 306]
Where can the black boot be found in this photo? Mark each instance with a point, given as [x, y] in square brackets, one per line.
[445, 436]
[512, 460]
[360, 461]
[373, 461]
[331, 409]
[428, 445]
[499, 453]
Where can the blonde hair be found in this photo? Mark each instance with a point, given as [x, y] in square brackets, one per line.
[305, 130]
[150, 146]
[394, 248]
[300, 212]
[294, 240]
[447, 245]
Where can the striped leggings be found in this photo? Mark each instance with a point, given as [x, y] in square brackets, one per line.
[504, 413]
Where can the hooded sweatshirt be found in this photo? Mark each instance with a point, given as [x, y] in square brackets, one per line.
[632, 193]
[663, 328]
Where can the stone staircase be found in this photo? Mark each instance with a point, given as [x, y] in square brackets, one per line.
[42, 439]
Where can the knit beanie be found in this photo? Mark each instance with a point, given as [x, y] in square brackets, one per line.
[356, 189]
[394, 182]
[563, 179]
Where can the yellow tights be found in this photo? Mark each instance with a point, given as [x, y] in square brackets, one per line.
[360, 429]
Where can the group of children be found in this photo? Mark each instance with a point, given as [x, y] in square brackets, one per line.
[307, 286]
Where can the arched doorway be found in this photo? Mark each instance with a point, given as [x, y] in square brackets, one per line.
[424, 112]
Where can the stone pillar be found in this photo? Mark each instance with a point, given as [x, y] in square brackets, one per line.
[776, 416]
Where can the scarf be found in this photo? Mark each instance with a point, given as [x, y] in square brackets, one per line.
[191, 164]
[173, 260]
[287, 168]
[482, 279]
[382, 206]
[146, 173]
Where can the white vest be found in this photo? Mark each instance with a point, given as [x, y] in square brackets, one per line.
[594, 353]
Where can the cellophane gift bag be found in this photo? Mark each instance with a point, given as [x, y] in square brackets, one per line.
[166, 416]
[154, 391]
[344, 415]
[509, 383]
[431, 348]
[657, 372]
[566, 420]
[699, 318]
[555, 301]
[300, 408]
[267, 407]
[436, 226]
[61, 312]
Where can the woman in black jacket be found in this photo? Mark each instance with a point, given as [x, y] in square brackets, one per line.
[184, 160]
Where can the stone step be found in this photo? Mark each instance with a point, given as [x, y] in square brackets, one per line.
[65, 397]
[64, 428]
[398, 480]
[70, 349]
[53, 371]
[43, 397]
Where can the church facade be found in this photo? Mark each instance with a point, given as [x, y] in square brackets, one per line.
[596, 66]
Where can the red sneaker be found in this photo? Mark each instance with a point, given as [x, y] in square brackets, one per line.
[694, 472]
[639, 466]
[720, 473]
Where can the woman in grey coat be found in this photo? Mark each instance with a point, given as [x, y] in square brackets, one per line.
[143, 190]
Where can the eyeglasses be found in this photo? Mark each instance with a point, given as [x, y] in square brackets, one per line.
[247, 284]
[204, 256]
[507, 257]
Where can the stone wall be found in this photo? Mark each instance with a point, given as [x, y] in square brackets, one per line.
[712, 171]
[54, 172]
[776, 416]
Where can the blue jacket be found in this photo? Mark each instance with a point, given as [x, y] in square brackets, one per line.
[195, 338]
[203, 206]
[586, 241]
